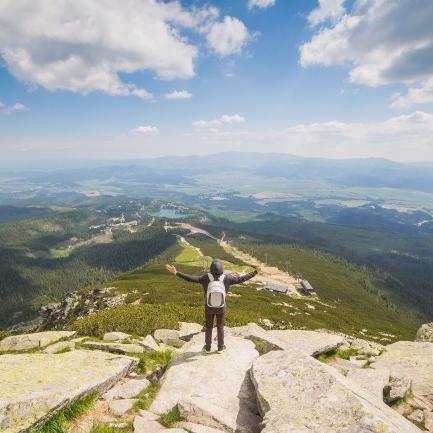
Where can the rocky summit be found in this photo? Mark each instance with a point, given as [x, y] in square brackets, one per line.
[281, 381]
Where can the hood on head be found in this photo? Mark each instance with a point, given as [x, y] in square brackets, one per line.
[216, 267]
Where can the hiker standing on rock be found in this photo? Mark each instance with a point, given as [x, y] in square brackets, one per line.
[215, 284]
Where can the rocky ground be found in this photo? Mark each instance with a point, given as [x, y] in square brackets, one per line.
[270, 381]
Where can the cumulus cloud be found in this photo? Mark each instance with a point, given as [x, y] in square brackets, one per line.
[328, 9]
[84, 46]
[178, 94]
[224, 119]
[145, 130]
[383, 42]
[228, 37]
[262, 4]
[11, 109]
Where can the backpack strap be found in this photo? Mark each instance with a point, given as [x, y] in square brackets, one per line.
[210, 276]
[222, 277]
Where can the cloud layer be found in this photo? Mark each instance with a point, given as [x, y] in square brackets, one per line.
[382, 41]
[83, 46]
[261, 4]
[178, 94]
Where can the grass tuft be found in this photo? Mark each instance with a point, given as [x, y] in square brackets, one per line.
[149, 361]
[146, 397]
[58, 423]
[168, 419]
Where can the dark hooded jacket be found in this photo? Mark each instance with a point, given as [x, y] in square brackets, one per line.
[217, 269]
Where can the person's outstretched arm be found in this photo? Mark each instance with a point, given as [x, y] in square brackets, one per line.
[238, 279]
[191, 278]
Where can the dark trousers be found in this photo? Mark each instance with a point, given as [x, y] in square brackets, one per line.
[209, 318]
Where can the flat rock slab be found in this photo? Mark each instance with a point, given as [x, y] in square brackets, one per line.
[372, 380]
[298, 394]
[128, 389]
[16, 343]
[411, 360]
[187, 330]
[33, 385]
[311, 342]
[197, 428]
[115, 336]
[213, 390]
[59, 347]
[114, 347]
[120, 407]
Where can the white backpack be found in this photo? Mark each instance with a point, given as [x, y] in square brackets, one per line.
[216, 292]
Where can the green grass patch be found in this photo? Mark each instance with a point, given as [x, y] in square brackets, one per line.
[58, 423]
[149, 361]
[146, 397]
[170, 418]
[105, 428]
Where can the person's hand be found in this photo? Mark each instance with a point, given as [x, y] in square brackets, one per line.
[258, 268]
[170, 268]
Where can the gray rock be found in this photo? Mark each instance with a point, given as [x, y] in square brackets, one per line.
[169, 337]
[143, 425]
[59, 347]
[197, 428]
[114, 347]
[120, 407]
[255, 332]
[428, 420]
[16, 343]
[126, 390]
[298, 394]
[148, 343]
[425, 333]
[115, 336]
[311, 342]
[417, 416]
[359, 362]
[412, 361]
[188, 330]
[34, 386]
[372, 380]
[363, 347]
[397, 388]
[164, 334]
[148, 415]
[211, 390]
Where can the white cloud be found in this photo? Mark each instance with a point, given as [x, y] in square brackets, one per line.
[383, 42]
[178, 94]
[228, 37]
[145, 130]
[224, 119]
[328, 9]
[262, 4]
[83, 46]
[16, 107]
[406, 137]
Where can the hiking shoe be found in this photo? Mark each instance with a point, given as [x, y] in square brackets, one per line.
[206, 351]
[222, 350]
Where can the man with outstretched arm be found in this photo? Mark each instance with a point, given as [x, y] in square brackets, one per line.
[214, 283]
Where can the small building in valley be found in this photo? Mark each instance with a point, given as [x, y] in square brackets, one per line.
[307, 288]
[276, 288]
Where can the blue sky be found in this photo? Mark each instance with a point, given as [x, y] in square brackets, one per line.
[328, 78]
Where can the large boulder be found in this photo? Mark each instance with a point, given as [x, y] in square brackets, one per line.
[33, 386]
[212, 390]
[411, 361]
[16, 343]
[311, 342]
[187, 330]
[425, 333]
[298, 394]
[256, 333]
